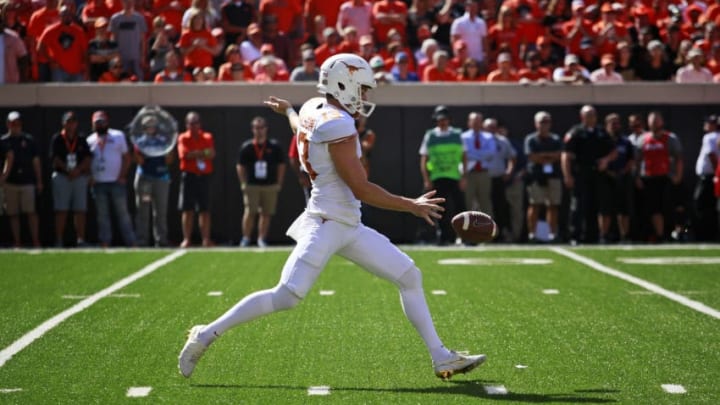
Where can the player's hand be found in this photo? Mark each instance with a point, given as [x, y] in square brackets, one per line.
[278, 105]
[427, 207]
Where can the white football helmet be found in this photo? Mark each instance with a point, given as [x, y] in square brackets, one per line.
[343, 76]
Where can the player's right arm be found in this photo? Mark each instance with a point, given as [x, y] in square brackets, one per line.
[343, 153]
[284, 107]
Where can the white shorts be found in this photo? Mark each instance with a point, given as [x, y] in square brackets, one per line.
[319, 239]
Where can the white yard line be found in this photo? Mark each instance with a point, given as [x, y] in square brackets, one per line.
[674, 388]
[680, 299]
[138, 392]
[8, 352]
[319, 390]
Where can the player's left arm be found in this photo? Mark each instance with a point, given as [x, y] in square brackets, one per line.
[343, 153]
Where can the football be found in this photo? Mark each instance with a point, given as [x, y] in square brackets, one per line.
[474, 226]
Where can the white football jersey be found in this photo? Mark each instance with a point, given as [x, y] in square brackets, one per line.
[321, 125]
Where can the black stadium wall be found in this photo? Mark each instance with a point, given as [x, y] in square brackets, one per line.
[402, 116]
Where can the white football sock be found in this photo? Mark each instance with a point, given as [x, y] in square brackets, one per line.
[252, 306]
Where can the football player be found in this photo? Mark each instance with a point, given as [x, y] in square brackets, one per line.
[330, 153]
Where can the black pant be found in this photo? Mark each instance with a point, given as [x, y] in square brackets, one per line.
[706, 218]
[501, 212]
[583, 209]
[449, 189]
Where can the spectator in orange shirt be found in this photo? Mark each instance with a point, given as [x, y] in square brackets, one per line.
[577, 28]
[461, 54]
[327, 8]
[283, 46]
[388, 14]
[505, 31]
[330, 47]
[609, 31]
[197, 44]
[270, 72]
[173, 72]
[234, 70]
[65, 47]
[93, 10]
[288, 13]
[172, 11]
[116, 73]
[470, 71]
[533, 72]
[692, 24]
[349, 43]
[196, 151]
[714, 61]
[438, 71]
[505, 72]
[39, 21]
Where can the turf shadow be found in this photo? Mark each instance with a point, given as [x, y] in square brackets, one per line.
[472, 388]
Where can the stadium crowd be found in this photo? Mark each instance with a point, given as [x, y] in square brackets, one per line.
[524, 41]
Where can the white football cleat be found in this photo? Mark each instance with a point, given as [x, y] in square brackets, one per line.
[191, 352]
[457, 364]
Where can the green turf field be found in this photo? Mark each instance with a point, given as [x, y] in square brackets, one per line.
[555, 330]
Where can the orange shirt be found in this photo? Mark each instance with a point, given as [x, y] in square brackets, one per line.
[323, 52]
[39, 21]
[388, 6]
[188, 143]
[91, 11]
[461, 78]
[509, 36]
[432, 74]
[280, 76]
[165, 77]
[609, 45]
[66, 45]
[108, 77]
[328, 8]
[285, 11]
[574, 44]
[541, 73]
[496, 76]
[197, 57]
[172, 17]
[225, 72]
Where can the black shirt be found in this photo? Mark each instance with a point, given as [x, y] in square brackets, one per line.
[239, 14]
[61, 148]
[270, 152]
[24, 151]
[103, 48]
[588, 145]
[534, 143]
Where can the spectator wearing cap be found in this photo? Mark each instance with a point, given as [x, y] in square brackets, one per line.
[401, 70]
[236, 17]
[470, 71]
[695, 71]
[152, 182]
[609, 31]
[472, 29]
[70, 158]
[504, 72]
[24, 179]
[330, 47]
[657, 67]
[109, 169]
[308, 71]
[250, 47]
[116, 73]
[367, 47]
[288, 15]
[40, 20]
[704, 198]
[173, 71]
[439, 71]
[330, 9]
[350, 42]
[355, 13]
[578, 27]
[197, 44]
[282, 45]
[101, 49]
[533, 72]
[572, 72]
[16, 61]
[381, 75]
[270, 71]
[606, 74]
[442, 166]
[92, 11]
[386, 15]
[269, 51]
[129, 29]
[234, 69]
[64, 46]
